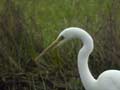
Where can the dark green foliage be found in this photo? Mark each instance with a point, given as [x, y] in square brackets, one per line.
[27, 27]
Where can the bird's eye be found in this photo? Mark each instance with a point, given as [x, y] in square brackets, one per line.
[62, 37]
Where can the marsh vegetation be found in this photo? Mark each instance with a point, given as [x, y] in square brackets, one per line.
[29, 26]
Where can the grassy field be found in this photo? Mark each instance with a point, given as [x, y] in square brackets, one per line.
[29, 26]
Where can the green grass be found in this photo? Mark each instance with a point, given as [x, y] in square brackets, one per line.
[27, 27]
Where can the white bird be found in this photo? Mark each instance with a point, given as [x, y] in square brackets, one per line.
[108, 80]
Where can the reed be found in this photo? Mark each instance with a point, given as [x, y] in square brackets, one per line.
[28, 27]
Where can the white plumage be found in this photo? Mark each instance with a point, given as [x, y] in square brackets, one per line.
[108, 80]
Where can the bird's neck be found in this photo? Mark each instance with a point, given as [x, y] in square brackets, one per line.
[85, 74]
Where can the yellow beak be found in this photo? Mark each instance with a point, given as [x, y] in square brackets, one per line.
[54, 43]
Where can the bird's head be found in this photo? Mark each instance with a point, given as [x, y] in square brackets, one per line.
[70, 33]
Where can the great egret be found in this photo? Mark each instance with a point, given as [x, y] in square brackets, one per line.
[108, 80]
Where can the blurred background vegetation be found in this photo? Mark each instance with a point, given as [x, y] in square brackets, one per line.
[28, 26]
